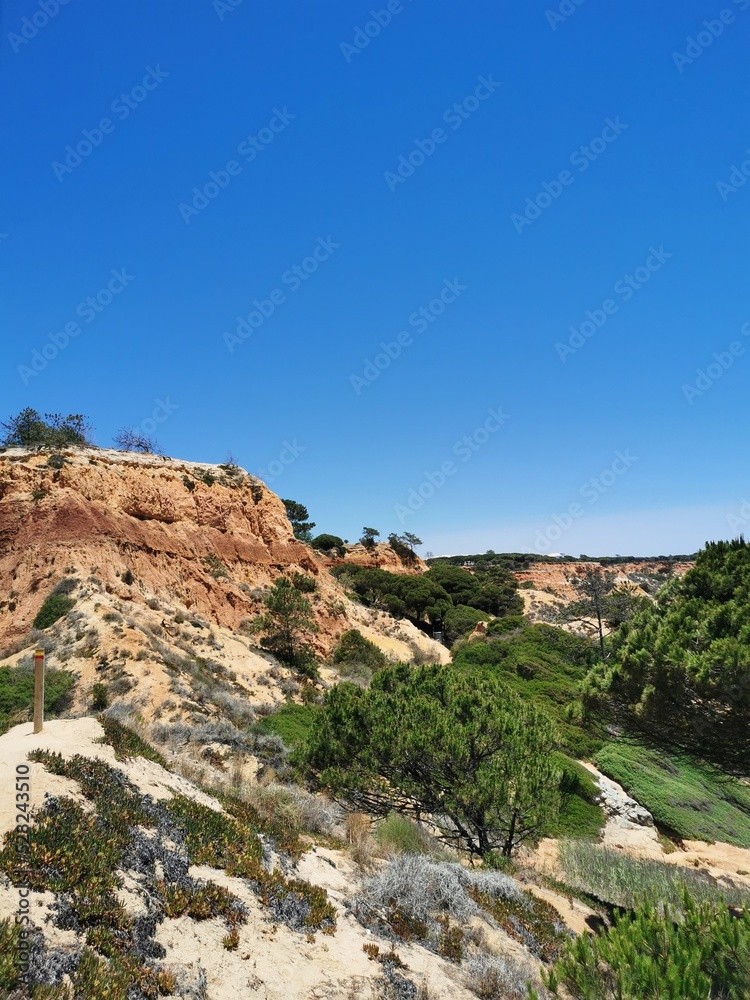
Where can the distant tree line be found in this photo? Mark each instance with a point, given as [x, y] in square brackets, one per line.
[438, 594]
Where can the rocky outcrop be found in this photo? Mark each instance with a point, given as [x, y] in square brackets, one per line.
[619, 807]
[617, 804]
[205, 538]
[205, 535]
[556, 578]
[379, 557]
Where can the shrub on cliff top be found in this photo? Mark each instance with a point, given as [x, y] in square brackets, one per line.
[29, 429]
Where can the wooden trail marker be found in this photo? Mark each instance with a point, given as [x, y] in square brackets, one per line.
[38, 690]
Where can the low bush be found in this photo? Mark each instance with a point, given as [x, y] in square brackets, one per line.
[202, 901]
[99, 697]
[10, 963]
[127, 743]
[292, 723]
[292, 808]
[214, 839]
[303, 583]
[54, 607]
[421, 888]
[493, 977]
[415, 898]
[398, 834]
[354, 649]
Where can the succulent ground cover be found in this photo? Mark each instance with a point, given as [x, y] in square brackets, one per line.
[81, 852]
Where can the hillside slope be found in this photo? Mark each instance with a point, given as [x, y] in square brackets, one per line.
[280, 954]
[170, 560]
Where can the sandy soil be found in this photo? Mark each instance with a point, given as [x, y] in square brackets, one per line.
[717, 859]
[271, 962]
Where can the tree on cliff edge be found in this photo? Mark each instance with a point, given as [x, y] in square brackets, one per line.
[29, 429]
[298, 515]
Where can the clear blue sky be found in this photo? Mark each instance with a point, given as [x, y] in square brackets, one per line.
[317, 124]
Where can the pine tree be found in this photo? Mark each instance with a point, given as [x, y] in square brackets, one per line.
[702, 952]
[451, 742]
[286, 626]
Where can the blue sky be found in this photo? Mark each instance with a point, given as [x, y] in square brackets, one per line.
[512, 175]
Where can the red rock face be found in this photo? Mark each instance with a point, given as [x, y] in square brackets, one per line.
[379, 557]
[104, 513]
[558, 576]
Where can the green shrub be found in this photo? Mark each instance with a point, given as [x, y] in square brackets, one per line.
[55, 607]
[292, 723]
[202, 902]
[10, 965]
[99, 697]
[127, 743]
[303, 583]
[460, 621]
[329, 543]
[354, 648]
[17, 691]
[651, 954]
[691, 800]
[213, 838]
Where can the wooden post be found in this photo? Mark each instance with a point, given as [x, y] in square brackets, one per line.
[38, 690]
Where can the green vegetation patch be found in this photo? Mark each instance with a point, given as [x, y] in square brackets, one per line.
[55, 607]
[10, 959]
[127, 743]
[292, 723]
[695, 802]
[649, 954]
[354, 650]
[533, 922]
[544, 665]
[215, 839]
[17, 692]
[430, 597]
[579, 817]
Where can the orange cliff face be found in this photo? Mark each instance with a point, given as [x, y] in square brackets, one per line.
[558, 577]
[380, 556]
[205, 544]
